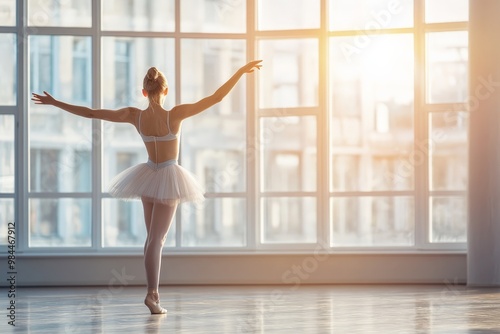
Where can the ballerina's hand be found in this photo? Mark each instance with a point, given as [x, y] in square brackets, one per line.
[251, 66]
[43, 99]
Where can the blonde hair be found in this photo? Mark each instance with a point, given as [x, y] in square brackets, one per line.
[154, 84]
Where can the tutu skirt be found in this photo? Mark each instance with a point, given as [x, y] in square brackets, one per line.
[165, 182]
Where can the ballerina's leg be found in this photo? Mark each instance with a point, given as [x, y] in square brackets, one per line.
[161, 219]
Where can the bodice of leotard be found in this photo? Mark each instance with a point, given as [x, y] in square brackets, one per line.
[168, 137]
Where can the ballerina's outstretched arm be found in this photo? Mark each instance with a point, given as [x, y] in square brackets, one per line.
[188, 110]
[123, 115]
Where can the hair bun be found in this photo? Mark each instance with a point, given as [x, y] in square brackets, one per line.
[153, 73]
[154, 84]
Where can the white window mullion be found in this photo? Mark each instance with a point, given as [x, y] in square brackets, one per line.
[421, 183]
[252, 156]
[21, 138]
[322, 124]
[8, 110]
[177, 41]
[97, 136]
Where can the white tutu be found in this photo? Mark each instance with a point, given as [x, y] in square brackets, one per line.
[166, 182]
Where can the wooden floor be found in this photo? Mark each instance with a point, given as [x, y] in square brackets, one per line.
[257, 309]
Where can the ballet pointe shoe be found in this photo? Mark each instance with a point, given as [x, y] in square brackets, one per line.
[154, 305]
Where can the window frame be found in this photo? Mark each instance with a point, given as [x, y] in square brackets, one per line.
[253, 195]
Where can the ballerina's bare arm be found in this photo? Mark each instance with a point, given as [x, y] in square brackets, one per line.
[188, 110]
[124, 115]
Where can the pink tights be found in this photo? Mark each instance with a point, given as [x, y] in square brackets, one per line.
[158, 218]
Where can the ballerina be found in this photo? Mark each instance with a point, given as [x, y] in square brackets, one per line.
[161, 183]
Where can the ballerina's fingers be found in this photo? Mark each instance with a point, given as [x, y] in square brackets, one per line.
[42, 99]
[254, 66]
[36, 98]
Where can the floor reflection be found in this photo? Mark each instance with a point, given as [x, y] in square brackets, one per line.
[260, 309]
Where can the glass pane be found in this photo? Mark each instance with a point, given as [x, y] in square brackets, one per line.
[289, 220]
[288, 14]
[372, 221]
[138, 15]
[121, 150]
[64, 222]
[213, 142]
[288, 148]
[7, 13]
[370, 15]
[6, 217]
[228, 16]
[448, 150]
[448, 219]
[8, 65]
[221, 170]
[217, 222]
[447, 62]
[7, 158]
[56, 13]
[386, 171]
[371, 98]
[123, 224]
[291, 75]
[446, 10]
[125, 63]
[60, 142]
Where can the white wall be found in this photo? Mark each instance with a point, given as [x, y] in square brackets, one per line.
[484, 141]
[293, 269]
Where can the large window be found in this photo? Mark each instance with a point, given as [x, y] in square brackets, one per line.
[352, 135]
